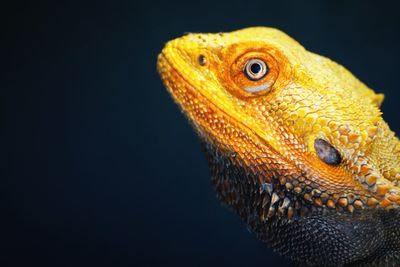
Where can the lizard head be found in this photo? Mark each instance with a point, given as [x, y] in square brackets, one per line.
[290, 116]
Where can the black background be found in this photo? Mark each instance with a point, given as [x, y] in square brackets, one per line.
[99, 166]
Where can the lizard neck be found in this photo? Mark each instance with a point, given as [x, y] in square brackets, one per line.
[298, 229]
[257, 196]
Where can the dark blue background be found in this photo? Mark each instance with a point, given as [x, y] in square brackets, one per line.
[99, 166]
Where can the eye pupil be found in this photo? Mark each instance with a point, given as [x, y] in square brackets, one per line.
[255, 69]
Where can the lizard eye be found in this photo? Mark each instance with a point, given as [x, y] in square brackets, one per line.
[256, 69]
[254, 72]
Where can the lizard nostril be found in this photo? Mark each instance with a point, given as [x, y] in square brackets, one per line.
[326, 152]
[202, 60]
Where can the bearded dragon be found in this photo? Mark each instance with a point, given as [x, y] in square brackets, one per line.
[296, 144]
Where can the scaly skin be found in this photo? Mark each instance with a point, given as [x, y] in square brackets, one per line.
[260, 140]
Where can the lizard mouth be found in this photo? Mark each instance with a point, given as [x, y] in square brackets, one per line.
[196, 106]
[215, 125]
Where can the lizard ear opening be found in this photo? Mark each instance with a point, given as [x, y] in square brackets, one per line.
[326, 152]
